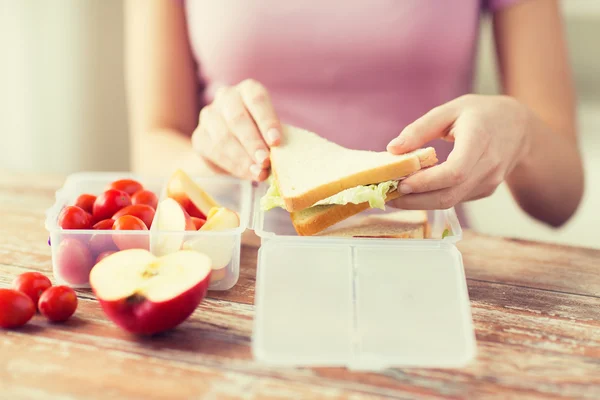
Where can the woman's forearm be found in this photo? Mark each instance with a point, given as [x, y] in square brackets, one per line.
[548, 182]
[160, 151]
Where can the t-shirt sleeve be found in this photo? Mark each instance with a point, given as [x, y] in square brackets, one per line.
[497, 5]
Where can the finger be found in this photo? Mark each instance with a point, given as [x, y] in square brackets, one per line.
[241, 124]
[215, 143]
[486, 188]
[442, 198]
[469, 147]
[258, 102]
[433, 125]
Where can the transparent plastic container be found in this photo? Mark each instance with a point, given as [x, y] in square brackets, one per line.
[72, 249]
[361, 303]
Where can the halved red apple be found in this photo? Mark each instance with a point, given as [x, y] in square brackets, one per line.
[172, 220]
[186, 192]
[145, 294]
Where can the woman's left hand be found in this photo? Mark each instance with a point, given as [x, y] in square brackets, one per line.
[490, 137]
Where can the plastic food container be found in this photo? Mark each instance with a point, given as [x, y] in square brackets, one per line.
[360, 303]
[365, 304]
[71, 264]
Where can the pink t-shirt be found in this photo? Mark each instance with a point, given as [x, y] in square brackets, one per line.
[356, 72]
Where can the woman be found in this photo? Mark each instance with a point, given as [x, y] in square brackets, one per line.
[210, 82]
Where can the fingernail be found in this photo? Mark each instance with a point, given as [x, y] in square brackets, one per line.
[255, 170]
[273, 136]
[398, 142]
[261, 156]
[405, 189]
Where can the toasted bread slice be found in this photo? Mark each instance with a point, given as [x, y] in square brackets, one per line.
[308, 168]
[313, 220]
[397, 225]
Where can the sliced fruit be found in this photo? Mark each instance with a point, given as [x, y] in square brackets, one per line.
[218, 248]
[144, 294]
[186, 192]
[220, 219]
[170, 222]
[198, 222]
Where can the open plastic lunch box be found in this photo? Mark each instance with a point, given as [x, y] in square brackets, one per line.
[361, 303]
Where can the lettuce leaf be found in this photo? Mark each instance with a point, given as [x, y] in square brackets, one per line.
[374, 194]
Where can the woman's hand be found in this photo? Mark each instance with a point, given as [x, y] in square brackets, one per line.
[235, 132]
[490, 135]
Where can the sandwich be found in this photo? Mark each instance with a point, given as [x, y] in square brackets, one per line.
[405, 224]
[321, 183]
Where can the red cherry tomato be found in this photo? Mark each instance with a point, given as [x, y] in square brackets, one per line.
[109, 202]
[128, 241]
[105, 224]
[145, 197]
[33, 284]
[58, 303]
[73, 217]
[86, 202]
[73, 261]
[16, 308]
[101, 242]
[198, 222]
[128, 186]
[103, 255]
[142, 211]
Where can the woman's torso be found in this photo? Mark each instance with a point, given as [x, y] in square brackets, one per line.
[355, 72]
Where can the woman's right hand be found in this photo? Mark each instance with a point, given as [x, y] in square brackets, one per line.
[237, 129]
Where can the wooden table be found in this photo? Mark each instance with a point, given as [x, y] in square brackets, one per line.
[536, 309]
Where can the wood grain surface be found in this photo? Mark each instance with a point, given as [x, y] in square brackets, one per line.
[536, 309]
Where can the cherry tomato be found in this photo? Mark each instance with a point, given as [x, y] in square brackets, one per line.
[128, 186]
[86, 202]
[103, 255]
[73, 261]
[109, 202]
[145, 197]
[142, 211]
[101, 242]
[16, 308]
[198, 222]
[58, 303]
[33, 284]
[128, 241]
[105, 224]
[73, 217]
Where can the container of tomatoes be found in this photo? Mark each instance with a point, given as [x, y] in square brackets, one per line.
[99, 213]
